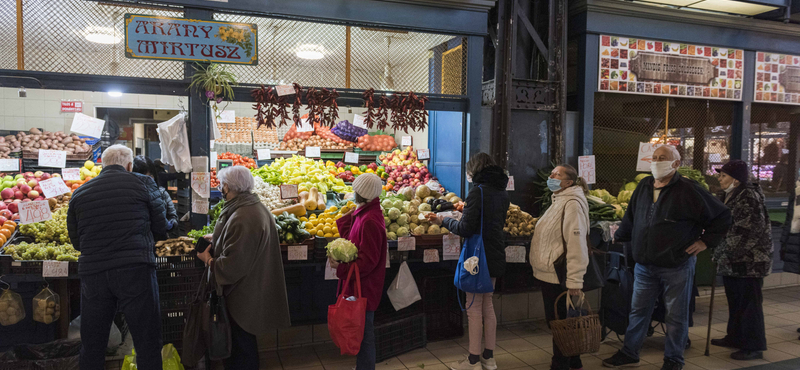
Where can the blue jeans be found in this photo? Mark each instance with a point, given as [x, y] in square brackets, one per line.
[677, 286]
[366, 355]
[133, 291]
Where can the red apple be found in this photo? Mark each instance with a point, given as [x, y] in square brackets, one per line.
[38, 174]
[32, 183]
[21, 182]
[5, 213]
[33, 194]
[45, 176]
[3, 219]
[15, 216]
[3, 205]
[39, 198]
[38, 188]
[25, 189]
[18, 194]
[7, 193]
[26, 200]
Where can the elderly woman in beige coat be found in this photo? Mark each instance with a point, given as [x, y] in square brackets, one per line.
[246, 263]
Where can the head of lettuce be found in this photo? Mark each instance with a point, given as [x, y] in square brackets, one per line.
[342, 250]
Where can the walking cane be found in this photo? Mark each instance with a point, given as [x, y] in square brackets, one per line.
[711, 308]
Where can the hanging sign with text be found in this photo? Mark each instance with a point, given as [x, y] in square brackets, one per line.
[89, 126]
[586, 168]
[52, 158]
[777, 78]
[645, 156]
[36, 211]
[71, 106]
[165, 38]
[201, 183]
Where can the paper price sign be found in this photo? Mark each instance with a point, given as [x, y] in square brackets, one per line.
[452, 247]
[263, 154]
[89, 126]
[55, 269]
[515, 254]
[36, 211]
[297, 253]
[645, 156]
[388, 262]
[510, 185]
[313, 152]
[71, 174]
[53, 187]
[212, 158]
[406, 141]
[52, 158]
[305, 126]
[289, 191]
[423, 154]
[201, 183]
[430, 256]
[330, 272]
[9, 165]
[227, 116]
[406, 243]
[200, 206]
[358, 121]
[586, 168]
[350, 157]
[284, 90]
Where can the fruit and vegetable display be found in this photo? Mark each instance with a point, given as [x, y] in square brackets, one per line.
[342, 250]
[6, 230]
[89, 171]
[404, 169]
[313, 141]
[291, 229]
[377, 143]
[32, 141]
[238, 160]
[324, 225]
[42, 252]
[51, 231]
[214, 181]
[307, 174]
[46, 306]
[24, 186]
[347, 131]
[693, 174]
[269, 195]
[174, 247]
[11, 309]
[349, 172]
[313, 200]
[406, 213]
[61, 201]
[519, 222]
[268, 174]
[326, 134]
[213, 213]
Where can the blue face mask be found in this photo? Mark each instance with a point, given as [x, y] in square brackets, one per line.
[554, 184]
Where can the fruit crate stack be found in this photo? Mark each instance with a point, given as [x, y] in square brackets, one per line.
[178, 278]
[399, 333]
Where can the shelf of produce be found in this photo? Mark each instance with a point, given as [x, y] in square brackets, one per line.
[32, 165]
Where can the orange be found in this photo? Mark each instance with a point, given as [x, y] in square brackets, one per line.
[3, 240]
[11, 223]
[9, 228]
[6, 233]
[75, 186]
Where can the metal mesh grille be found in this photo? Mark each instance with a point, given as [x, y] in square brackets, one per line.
[700, 129]
[771, 146]
[8, 34]
[56, 40]
[384, 60]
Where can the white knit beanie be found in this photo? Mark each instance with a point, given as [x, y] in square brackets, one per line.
[368, 186]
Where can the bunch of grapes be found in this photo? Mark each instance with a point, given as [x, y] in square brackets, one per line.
[53, 230]
[42, 251]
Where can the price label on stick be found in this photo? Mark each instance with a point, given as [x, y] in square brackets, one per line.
[284, 90]
[201, 183]
[264, 154]
[586, 168]
[200, 206]
[89, 126]
[406, 243]
[212, 158]
[36, 211]
[510, 185]
[71, 174]
[305, 126]
[406, 141]
[452, 247]
[313, 152]
[350, 157]
[9, 165]
[515, 254]
[297, 253]
[54, 269]
[289, 191]
[423, 154]
[52, 158]
[53, 187]
[358, 121]
[431, 256]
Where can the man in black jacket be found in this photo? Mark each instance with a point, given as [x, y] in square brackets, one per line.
[114, 220]
[670, 219]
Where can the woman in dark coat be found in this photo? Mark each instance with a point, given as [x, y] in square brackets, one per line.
[486, 175]
[743, 259]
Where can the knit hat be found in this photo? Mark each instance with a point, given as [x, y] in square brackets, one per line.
[737, 169]
[368, 186]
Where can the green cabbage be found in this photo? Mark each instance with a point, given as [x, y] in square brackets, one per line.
[641, 176]
[393, 227]
[394, 213]
[402, 231]
[342, 250]
[391, 236]
[402, 220]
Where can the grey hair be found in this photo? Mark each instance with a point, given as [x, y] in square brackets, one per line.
[238, 179]
[117, 155]
[676, 155]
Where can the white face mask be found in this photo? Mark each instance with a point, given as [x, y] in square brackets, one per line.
[469, 178]
[661, 170]
[730, 188]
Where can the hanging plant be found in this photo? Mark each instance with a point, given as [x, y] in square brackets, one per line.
[217, 82]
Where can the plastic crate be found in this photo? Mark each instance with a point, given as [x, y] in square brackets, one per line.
[399, 336]
[184, 261]
[177, 288]
[172, 323]
[445, 320]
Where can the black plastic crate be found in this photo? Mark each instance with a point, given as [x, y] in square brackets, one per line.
[400, 336]
[172, 323]
[184, 261]
[177, 288]
[440, 305]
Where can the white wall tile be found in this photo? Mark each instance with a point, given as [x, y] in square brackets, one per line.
[14, 123]
[10, 93]
[111, 101]
[52, 108]
[147, 101]
[34, 108]
[35, 94]
[129, 100]
[54, 124]
[94, 96]
[73, 95]
[53, 95]
[9, 107]
[31, 122]
[788, 278]
[166, 102]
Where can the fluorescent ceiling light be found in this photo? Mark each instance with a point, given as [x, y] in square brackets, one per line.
[733, 7]
[310, 51]
[672, 2]
[115, 94]
[103, 35]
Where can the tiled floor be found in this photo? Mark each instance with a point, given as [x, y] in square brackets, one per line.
[529, 345]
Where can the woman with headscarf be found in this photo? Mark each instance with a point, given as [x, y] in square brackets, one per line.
[245, 260]
[365, 228]
[145, 166]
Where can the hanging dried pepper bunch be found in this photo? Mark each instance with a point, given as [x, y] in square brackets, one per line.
[418, 116]
[329, 101]
[383, 113]
[315, 109]
[399, 103]
[369, 103]
[298, 103]
[265, 98]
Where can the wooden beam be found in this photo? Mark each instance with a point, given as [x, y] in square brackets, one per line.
[347, 60]
[20, 42]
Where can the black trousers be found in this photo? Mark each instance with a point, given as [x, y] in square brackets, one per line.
[244, 350]
[549, 294]
[745, 313]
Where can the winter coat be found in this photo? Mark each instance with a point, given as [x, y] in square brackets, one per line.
[172, 215]
[547, 243]
[493, 181]
[684, 213]
[115, 220]
[248, 266]
[746, 251]
[366, 229]
[790, 242]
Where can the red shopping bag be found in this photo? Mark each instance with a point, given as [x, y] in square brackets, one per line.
[346, 318]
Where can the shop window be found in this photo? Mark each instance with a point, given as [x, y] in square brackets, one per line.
[773, 147]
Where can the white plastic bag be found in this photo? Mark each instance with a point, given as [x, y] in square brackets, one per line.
[174, 143]
[403, 292]
[114, 336]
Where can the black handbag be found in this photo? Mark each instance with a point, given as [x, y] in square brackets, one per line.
[194, 337]
[593, 278]
[219, 326]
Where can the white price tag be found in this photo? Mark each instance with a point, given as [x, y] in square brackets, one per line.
[406, 141]
[645, 156]
[510, 185]
[71, 174]
[358, 121]
[227, 116]
[350, 157]
[52, 158]
[423, 154]
[211, 144]
[200, 206]
[55, 269]
[586, 168]
[212, 159]
[297, 253]
[263, 154]
[330, 272]
[53, 187]
[289, 191]
[406, 243]
[8, 165]
[305, 126]
[515, 254]
[89, 126]
[201, 183]
[452, 247]
[431, 256]
[284, 90]
[313, 152]
[36, 211]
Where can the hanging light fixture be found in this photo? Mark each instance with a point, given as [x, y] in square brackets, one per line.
[103, 35]
[310, 51]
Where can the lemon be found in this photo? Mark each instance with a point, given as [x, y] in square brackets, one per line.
[89, 165]
[303, 219]
[327, 229]
[313, 216]
[333, 209]
[336, 235]
[320, 233]
[329, 235]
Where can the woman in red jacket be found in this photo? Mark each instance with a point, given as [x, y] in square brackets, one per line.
[365, 228]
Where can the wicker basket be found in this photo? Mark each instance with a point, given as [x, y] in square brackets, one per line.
[575, 336]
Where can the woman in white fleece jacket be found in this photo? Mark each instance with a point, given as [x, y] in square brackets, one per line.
[570, 205]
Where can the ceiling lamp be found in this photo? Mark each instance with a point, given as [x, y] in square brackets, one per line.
[747, 8]
[103, 35]
[310, 51]
[114, 94]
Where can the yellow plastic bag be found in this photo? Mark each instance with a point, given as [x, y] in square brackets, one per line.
[170, 360]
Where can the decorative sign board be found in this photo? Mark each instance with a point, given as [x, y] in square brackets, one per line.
[201, 183]
[586, 168]
[71, 106]
[777, 78]
[406, 243]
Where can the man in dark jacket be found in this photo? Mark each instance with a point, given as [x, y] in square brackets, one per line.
[670, 219]
[114, 221]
